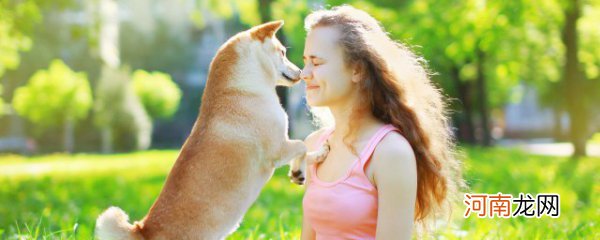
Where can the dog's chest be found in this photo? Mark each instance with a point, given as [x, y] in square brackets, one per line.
[275, 113]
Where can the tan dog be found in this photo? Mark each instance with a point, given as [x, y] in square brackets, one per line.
[238, 140]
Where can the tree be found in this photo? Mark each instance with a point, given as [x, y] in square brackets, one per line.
[481, 49]
[16, 21]
[2, 107]
[578, 81]
[572, 77]
[157, 92]
[118, 110]
[567, 63]
[14, 34]
[119, 113]
[53, 97]
[460, 40]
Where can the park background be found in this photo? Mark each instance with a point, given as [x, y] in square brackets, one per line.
[97, 96]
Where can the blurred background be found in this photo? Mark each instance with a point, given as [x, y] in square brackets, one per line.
[112, 76]
[97, 96]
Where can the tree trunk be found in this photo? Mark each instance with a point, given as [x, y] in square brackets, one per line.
[558, 131]
[69, 135]
[109, 53]
[107, 139]
[578, 119]
[486, 138]
[463, 89]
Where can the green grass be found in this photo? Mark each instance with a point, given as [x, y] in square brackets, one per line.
[59, 196]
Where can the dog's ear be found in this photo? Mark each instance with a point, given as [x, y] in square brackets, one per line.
[266, 30]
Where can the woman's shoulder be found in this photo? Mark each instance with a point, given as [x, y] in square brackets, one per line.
[394, 152]
[394, 160]
[394, 143]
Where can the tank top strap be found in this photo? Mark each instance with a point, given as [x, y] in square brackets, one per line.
[365, 155]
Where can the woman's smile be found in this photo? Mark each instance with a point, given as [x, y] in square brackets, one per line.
[312, 87]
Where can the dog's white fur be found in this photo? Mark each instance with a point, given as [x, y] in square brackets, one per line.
[240, 137]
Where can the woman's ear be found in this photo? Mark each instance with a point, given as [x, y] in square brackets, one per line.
[356, 73]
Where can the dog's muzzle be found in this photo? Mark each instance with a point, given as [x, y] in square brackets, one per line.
[294, 80]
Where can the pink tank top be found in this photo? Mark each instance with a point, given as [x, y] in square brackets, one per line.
[346, 208]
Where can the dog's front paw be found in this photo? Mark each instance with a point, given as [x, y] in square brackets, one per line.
[297, 176]
[322, 153]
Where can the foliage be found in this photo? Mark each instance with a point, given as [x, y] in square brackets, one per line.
[158, 93]
[53, 96]
[2, 107]
[293, 13]
[595, 138]
[66, 193]
[163, 49]
[14, 32]
[55, 36]
[481, 50]
[246, 10]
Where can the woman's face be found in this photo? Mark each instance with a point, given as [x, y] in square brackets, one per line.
[328, 80]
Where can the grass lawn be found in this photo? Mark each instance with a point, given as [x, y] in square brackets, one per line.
[59, 196]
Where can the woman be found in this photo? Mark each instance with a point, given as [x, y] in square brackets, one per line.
[391, 161]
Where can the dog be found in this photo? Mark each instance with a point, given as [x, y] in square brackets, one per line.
[238, 140]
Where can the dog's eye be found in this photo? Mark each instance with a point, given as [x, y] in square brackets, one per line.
[283, 52]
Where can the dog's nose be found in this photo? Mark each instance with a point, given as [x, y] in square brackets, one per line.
[304, 75]
[297, 76]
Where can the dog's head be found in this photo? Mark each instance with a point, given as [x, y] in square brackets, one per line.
[286, 73]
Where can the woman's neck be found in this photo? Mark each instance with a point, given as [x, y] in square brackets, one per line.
[342, 115]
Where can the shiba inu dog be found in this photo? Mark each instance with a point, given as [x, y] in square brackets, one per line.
[238, 140]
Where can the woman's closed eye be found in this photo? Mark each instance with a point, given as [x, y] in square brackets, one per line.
[317, 64]
[312, 64]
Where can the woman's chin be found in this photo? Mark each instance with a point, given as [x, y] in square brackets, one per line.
[314, 103]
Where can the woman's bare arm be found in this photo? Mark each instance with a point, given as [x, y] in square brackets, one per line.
[395, 175]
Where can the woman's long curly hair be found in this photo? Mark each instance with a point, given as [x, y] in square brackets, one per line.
[396, 89]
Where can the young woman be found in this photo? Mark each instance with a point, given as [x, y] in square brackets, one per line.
[391, 161]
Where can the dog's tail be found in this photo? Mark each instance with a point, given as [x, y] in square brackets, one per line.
[113, 224]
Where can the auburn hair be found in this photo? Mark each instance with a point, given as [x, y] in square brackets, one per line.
[395, 88]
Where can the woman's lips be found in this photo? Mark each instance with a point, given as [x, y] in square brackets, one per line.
[311, 87]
